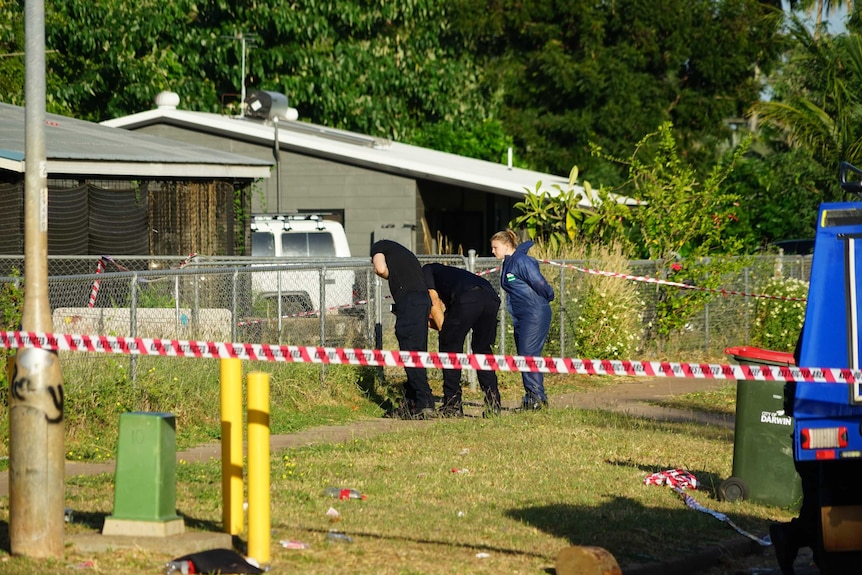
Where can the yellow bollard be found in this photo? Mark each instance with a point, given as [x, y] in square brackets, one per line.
[258, 468]
[231, 445]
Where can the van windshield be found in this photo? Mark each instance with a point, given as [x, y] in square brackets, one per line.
[305, 244]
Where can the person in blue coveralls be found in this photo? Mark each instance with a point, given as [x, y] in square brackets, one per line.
[528, 297]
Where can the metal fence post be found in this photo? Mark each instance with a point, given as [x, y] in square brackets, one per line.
[322, 314]
[279, 307]
[472, 377]
[234, 299]
[746, 312]
[562, 306]
[196, 303]
[706, 328]
[322, 311]
[178, 321]
[133, 326]
[370, 302]
[378, 322]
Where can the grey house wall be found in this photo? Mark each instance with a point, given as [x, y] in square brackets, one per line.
[427, 216]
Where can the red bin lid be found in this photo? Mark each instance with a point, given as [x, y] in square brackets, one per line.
[757, 353]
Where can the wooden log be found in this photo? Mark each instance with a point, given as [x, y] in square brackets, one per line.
[584, 560]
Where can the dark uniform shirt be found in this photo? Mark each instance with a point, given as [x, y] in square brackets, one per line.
[450, 282]
[405, 272]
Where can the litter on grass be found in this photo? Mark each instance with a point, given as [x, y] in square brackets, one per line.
[679, 480]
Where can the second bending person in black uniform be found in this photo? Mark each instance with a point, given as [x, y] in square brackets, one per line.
[461, 301]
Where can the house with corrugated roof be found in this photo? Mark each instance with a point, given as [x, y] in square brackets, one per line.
[113, 191]
[430, 201]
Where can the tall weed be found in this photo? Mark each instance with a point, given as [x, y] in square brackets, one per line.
[602, 314]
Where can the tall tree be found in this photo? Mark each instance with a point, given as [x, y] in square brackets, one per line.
[575, 72]
[817, 104]
[389, 69]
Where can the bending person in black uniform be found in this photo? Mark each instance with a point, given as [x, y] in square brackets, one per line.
[461, 301]
[399, 266]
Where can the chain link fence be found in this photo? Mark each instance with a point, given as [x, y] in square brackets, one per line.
[341, 302]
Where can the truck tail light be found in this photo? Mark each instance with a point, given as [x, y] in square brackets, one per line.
[824, 438]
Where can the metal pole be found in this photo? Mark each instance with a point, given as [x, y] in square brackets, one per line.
[378, 323]
[562, 306]
[233, 305]
[322, 314]
[472, 378]
[133, 325]
[279, 307]
[36, 428]
[276, 152]
[178, 320]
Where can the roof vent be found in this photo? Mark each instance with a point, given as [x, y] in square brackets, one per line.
[167, 100]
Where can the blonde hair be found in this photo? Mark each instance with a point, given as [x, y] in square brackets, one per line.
[508, 237]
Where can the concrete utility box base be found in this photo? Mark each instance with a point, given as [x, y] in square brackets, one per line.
[145, 477]
[143, 528]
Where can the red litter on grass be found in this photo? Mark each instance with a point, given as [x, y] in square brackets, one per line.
[456, 470]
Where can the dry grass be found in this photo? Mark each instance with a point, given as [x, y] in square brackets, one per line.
[534, 483]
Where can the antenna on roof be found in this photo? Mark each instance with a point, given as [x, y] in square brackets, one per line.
[247, 40]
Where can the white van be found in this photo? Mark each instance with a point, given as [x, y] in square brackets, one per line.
[294, 238]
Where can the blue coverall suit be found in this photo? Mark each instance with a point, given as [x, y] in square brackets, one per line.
[528, 297]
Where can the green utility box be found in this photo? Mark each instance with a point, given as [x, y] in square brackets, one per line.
[763, 469]
[145, 476]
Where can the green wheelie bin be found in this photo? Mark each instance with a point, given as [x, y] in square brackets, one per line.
[763, 469]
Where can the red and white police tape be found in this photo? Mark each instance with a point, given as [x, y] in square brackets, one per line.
[390, 358]
[647, 279]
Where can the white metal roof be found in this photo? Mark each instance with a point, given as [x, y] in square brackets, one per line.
[359, 150]
[77, 147]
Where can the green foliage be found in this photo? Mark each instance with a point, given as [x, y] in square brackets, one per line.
[683, 223]
[484, 141]
[11, 308]
[602, 316]
[389, 69]
[683, 214]
[575, 214]
[817, 103]
[780, 195]
[778, 322]
[12, 302]
[571, 73]
[158, 294]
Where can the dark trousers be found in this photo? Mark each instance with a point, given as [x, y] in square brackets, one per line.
[411, 331]
[477, 310]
